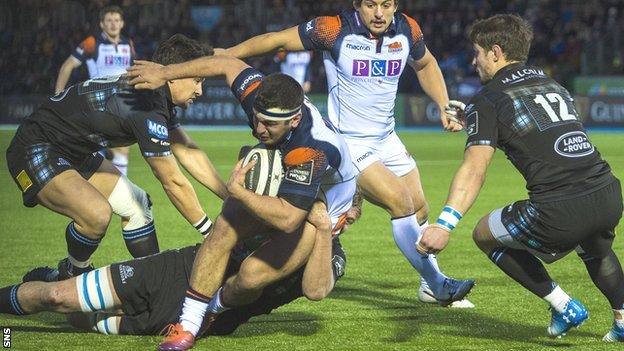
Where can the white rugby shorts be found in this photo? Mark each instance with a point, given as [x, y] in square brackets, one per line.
[390, 151]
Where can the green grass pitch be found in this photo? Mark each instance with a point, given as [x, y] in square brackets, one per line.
[373, 308]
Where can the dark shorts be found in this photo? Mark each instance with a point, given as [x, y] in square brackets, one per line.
[33, 162]
[556, 227]
[152, 290]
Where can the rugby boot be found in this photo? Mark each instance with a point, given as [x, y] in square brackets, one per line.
[41, 274]
[454, 290]
[426, 295]
[616, 334]
[176, 338]
[573, 315]
[67, 270]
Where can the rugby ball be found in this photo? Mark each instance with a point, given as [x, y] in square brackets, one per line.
[266, 175]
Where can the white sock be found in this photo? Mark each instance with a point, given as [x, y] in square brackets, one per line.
[619, 321]
[557, 299]
[216, 306]
[192, 317]
[406, 232]
[121, 162]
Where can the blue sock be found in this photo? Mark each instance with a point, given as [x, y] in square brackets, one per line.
[8, 301]
[406, 232]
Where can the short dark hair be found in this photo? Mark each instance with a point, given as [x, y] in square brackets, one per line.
[279, 90]
[358, 3]
[512, 33]
[110, 9]
[180, 48]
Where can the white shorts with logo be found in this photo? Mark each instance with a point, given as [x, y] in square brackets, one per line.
[390, 151]
[338, 199]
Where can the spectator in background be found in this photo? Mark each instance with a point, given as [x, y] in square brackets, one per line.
[107, 53]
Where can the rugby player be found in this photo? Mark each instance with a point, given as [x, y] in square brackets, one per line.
[317, 166]
[365, 51]
[52, 160]
[575, 201]
[107, 53]
[145, 294]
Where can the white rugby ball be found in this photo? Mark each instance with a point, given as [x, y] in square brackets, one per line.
[266, 175]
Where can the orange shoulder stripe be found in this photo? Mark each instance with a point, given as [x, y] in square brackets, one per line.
[253, 86]
[301, 155]
[88, 45]
[417, 34]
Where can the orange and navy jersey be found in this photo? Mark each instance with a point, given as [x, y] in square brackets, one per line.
[363, 70]
[315, 156]
[103, 57]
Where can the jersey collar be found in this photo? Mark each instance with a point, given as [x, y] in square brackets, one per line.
[505, 70]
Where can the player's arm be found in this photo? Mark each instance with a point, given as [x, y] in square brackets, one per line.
[196, 162]
[463, 193]
[287, 39]
[177, 188]
[318, 276]
[432, 82]
[65, 72]
[149, 75]
[274, 211]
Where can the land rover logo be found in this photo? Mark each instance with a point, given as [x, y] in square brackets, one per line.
[574, 144]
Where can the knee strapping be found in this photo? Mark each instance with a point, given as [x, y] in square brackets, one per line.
[105, 323]
[94, 291]
[133, 203]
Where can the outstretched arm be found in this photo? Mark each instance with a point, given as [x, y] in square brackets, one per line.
[464, 190]
[287, 39]
[196, 162]
[149, 75]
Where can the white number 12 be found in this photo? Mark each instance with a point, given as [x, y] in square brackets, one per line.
[563, 107]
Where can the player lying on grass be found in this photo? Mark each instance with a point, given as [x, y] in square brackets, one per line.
[317, 166]
[575, 201]
[52, 159]
[145, 294]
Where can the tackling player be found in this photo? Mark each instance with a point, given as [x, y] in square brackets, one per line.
[52, 162]
[107, 53]
[575, 202]
[317, 166]
[365, 51]
[149, 291]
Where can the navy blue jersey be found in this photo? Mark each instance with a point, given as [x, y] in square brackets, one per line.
[315, 157]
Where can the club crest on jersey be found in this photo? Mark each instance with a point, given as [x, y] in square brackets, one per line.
[309, 26]
[157, 130]
[574, 144]
[376, 68]
[395, 47]
[301, 174]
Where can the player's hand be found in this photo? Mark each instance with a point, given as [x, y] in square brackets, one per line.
[146, 75]
[452, 116]
[236, 183]
[433, 240]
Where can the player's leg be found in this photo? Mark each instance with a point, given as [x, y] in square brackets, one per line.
[71, 195]
[278, 258]
[211, 261]
[88, 292]
[597, 254]
[132, 204]
[120, 158]
[493, 236]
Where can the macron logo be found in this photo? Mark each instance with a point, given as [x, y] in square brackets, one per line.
[308, 26]
[157, 130]
[358, 47]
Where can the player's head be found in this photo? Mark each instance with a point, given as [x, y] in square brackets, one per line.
[111, 20]
[178, 49]
[498, 41]
[277, 108]
[376, 14]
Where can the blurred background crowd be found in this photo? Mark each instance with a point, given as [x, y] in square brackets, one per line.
[572, 37]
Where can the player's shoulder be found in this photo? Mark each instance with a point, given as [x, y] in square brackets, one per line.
[409, 26]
